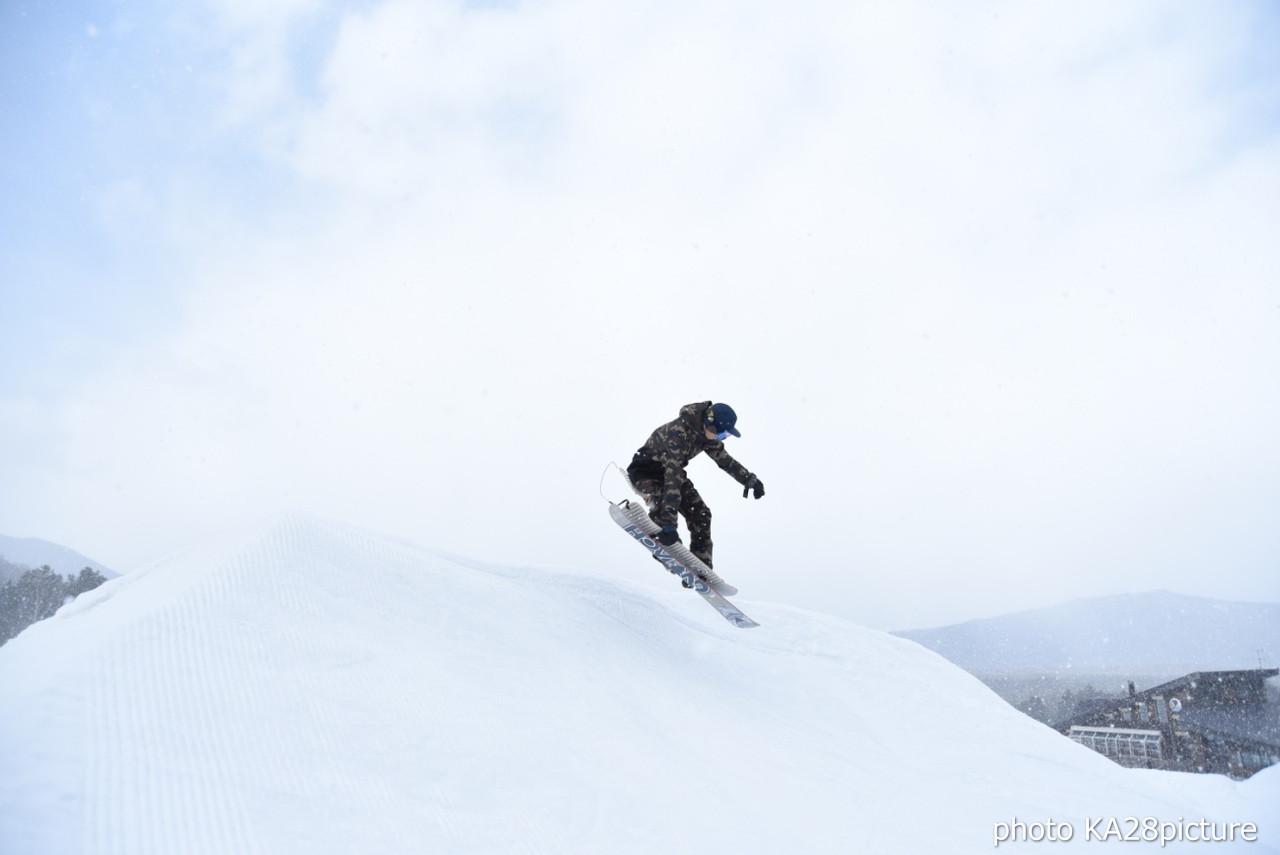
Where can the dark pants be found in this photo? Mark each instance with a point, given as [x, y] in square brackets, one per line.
[697, 516]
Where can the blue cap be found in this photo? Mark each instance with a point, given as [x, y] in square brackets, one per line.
[722, 419]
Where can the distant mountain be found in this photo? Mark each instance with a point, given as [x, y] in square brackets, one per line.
[1155, 632]
[19, 554]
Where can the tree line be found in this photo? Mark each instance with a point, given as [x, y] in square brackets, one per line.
[37, 594]
[1043, 708]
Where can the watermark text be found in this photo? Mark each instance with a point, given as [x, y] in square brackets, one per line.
[1129, 829]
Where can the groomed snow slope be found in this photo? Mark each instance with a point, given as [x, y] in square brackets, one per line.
[312, 688]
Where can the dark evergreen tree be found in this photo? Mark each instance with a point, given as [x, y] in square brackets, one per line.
[10, 623]
[43, 592]
[9, 572]
[38, 594]
[1035, 707]
[86, 581]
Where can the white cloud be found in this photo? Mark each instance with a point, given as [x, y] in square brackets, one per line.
[998, 282]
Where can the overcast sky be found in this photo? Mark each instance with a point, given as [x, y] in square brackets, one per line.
[994, 288]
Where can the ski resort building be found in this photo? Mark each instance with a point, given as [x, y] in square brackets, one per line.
[1210, 721]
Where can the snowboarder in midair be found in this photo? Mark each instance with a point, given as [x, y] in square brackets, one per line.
[657, 471]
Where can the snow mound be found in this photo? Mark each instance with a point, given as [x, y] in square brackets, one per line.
[310, 687]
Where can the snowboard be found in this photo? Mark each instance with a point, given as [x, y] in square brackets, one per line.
[633, 518]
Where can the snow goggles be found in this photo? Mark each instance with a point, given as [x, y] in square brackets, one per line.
[723, 435]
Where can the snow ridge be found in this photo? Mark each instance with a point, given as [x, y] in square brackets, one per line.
[311, 687]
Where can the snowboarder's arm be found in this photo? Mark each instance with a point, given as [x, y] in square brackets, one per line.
[725, 461]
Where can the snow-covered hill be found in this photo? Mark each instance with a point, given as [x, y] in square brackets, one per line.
[1156, 632]
[29, 552]
[312, 688]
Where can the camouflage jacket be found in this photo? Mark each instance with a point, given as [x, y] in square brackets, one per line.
[669, 450]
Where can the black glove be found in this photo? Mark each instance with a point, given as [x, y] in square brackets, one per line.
[754, 484]
[667, 536]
